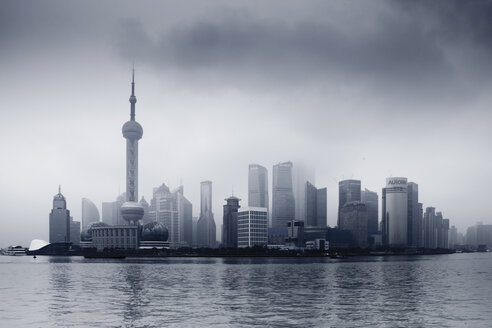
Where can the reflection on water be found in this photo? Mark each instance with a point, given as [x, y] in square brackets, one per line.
[436, 291]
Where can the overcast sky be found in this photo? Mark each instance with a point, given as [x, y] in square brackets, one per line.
[357, 89]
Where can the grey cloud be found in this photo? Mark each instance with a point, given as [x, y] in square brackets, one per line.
[407, 50]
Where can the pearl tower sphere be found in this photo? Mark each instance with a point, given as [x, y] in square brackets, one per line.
[131, 210]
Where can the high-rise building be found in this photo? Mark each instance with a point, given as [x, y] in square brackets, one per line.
[131, 210]
[414, 219]
[59, 220]
[484, 235]
[453, 237]
[90, 213]
[146, 207]
[315, 200]
[348, 191]
[74, 232]
[283, 204]
[173, 211]
[186, 218]
[439, 229]
[353, 218]
[430, 230]
[252, 227]
[370, 198]
[111, 211]
[471, 236]
[384, 226]
[206, 229]
[396, 211]
[301, 174]
[445, 233]
[257, 186]
[229, 226]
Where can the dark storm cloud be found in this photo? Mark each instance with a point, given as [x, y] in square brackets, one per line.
[407, 46]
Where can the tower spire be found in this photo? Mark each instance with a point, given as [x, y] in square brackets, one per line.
[59, 189]
[133, 99]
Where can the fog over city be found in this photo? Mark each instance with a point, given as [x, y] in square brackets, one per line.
[362, 90]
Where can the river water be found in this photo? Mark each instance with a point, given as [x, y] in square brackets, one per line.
[415, 291]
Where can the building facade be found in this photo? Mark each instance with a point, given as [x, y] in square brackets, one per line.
[174, 212]
[348, 191]
[353, 218]
[430, 229]
[90, 213]
[396, 211]
[315, 208]
[283, 203]
[370, 198]
[414, 229]
[257, 186]
[206, 228]
[59, 220]
[115, 237]
[301, 174]
[229, 225]
[252, 227]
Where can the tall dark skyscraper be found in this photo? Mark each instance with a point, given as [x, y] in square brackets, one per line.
[131, 210]
[414, 217]
[283, 204]
[353, 217]
[348, 191]
[370, 198]
[206, 233]
[315, 206]
[59, 220]
[229, 233]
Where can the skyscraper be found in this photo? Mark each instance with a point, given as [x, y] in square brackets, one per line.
[131, 210]
[283, 204]
[430, 231]
[111, 211]
[414, 218]
[90, 213]
[301, 173]
[229, 234]
[396, 211]
[315, 215]
[353, 217]
[206, 233]
[59, 220]
[370, 198]
[348, 191]
[173, 211]
[257, 186]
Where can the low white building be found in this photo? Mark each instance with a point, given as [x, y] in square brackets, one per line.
[252, 227]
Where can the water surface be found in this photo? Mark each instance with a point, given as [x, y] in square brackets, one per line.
[399, 291]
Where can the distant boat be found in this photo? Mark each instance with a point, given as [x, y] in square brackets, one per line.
[15, 251]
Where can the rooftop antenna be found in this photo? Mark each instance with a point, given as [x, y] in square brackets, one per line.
[232, 190]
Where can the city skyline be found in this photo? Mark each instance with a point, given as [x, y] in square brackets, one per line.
[65, 106]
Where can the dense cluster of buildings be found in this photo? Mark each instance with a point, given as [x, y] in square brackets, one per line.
[296, 217]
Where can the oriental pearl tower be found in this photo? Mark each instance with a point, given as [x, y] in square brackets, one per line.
[131, 210]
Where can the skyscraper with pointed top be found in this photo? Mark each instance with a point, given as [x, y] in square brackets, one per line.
[131, 210]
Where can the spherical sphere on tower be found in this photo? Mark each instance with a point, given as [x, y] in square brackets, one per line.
[132, 130]
[132, 212]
